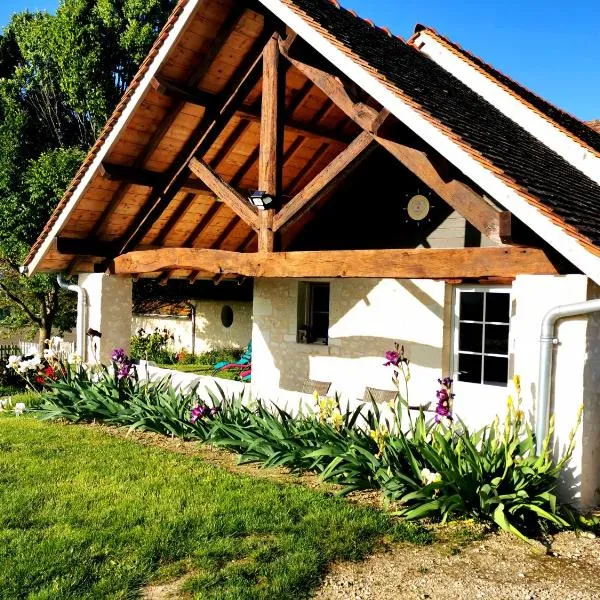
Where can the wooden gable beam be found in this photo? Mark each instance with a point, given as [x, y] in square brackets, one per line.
[333, 173]
[420, 263]
[229, 196]
[240, 84]
[270, 166]
[473, 207]
[484, 216]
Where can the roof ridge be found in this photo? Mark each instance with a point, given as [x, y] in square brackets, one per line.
[474, 59]
[386, 30]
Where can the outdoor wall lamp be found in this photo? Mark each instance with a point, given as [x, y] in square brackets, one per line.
[261, 200]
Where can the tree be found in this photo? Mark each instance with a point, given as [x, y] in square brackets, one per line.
[60, 77]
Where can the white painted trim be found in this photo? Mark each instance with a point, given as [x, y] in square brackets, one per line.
[459, 289]
[529, 119]
[495, 187]
[113, 137]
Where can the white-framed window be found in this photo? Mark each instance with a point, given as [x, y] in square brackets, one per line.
[482, 334]
[313, 312]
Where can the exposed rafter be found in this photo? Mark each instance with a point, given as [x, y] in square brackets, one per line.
[484, 216]
[240, 84]
[228, 195]
[333, 173]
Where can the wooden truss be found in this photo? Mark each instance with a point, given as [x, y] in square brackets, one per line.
[272, 53]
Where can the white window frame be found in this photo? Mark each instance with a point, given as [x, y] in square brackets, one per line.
[505, 289]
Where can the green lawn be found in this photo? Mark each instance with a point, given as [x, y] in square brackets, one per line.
[88, 515]
[199, 369]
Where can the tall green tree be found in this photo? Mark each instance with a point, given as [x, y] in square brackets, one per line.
[60, 77]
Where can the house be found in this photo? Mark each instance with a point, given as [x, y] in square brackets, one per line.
[375, 190]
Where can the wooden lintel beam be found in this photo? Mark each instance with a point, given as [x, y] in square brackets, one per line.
[229, 196]
[333, 171]
[483, 215]
[421, 263]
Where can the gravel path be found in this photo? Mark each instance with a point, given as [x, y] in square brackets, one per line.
[499, 567]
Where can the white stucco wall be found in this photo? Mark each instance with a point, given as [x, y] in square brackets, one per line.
[367, 316]
[576, 372]
[210, 332]
[109, 312]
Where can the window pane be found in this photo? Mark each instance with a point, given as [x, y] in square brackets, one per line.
[320, 325]
[496, 339]
[471, 306]
[469, 368]
[470, 337]
[495, 371]
[497, 307]
[321, 298]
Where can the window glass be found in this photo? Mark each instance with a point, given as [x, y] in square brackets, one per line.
[313, 313]
[483, 334]
[471, 306]
[227, 316]
[496, 339]
[470, 337]
[469, 368]
[495, 370]
[497, 308]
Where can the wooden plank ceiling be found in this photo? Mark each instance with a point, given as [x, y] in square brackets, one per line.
[219, 52]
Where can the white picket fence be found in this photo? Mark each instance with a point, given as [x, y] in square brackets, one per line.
[63, 349]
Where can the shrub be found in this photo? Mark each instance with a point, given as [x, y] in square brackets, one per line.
[153, 346]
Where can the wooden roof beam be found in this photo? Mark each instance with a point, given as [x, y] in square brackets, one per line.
[240, 84]
[420, 263]
[228, 195]
[484, 216]
[332, 174]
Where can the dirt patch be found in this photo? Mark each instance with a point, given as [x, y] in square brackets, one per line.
[164, 591]
[499, 567]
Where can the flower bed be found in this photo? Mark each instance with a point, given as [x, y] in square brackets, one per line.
[428, 466]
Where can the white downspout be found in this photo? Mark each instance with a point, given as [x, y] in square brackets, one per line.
[81, 313]
[548, 340]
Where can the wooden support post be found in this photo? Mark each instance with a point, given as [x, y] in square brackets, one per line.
[271, 140]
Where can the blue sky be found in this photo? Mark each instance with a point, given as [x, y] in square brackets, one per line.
[551, 46]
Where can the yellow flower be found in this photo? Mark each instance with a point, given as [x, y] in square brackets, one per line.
[510, 402]
[517, 383]
[337, 420]
[520, 414]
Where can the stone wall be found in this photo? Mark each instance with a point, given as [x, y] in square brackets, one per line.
[366, 317]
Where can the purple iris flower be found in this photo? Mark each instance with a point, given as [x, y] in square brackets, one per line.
[392, 357]
[124, 371]
[200, 411]
[119, 355]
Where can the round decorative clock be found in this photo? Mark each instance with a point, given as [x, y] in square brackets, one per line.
[418, 207]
